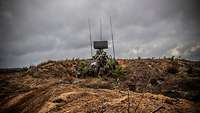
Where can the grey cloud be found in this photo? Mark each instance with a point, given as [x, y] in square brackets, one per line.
[33, 31]
[189, 50]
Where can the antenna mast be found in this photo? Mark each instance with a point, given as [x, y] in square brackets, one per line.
[89, 25]
[112, 38]
[100, 30]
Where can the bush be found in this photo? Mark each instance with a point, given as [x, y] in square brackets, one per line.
[172, 69]
[117, 72]
[174, 66]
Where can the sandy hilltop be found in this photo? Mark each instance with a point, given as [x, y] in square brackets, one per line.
[146, 86]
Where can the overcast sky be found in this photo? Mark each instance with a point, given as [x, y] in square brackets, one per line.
[33, 31]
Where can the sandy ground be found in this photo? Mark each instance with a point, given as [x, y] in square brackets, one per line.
[23, 92]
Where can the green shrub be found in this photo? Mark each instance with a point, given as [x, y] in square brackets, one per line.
[117, 72]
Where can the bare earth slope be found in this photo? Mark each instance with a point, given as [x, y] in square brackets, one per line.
[53, 87]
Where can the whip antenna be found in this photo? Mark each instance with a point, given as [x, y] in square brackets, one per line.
[112, 38]
[100, 30]
[89, 25]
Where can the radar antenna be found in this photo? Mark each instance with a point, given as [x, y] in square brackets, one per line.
[112, 38]
[89, 25]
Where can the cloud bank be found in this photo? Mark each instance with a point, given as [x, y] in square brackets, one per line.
[32, 31]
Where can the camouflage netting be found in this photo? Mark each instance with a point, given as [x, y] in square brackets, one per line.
[101, 66]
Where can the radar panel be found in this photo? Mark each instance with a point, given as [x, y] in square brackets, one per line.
[100, 44]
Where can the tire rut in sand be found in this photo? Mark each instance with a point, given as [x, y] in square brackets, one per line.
[30, 103]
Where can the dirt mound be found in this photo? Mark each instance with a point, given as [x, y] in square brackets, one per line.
[114, 101]
[174, 78]
[65, 98]
[53, 87]
[54, 69]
